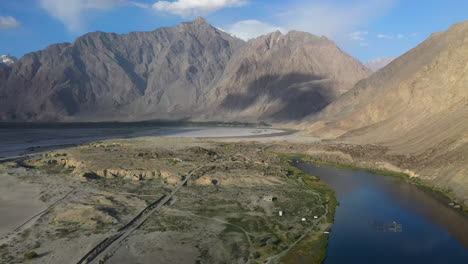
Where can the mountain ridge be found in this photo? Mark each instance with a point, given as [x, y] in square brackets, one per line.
[168, 73]
[378, 63]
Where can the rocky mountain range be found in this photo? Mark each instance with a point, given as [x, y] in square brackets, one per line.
[189, 71]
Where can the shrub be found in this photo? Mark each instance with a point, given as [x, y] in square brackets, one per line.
[31, 255]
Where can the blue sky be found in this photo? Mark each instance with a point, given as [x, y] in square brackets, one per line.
[366, 29]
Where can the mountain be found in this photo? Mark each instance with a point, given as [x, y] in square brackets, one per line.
[7, 60]
[378, 63]
[417, 106]
[191, 70]
[105, 76]
[280, 77]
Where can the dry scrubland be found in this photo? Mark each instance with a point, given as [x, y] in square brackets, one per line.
[219, 216]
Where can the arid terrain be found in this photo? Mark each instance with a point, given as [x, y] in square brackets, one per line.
[206, 202]
[415, 108]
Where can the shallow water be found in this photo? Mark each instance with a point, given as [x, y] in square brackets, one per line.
[431, 231]
[27, 139]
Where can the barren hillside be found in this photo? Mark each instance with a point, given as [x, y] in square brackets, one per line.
[416, 106]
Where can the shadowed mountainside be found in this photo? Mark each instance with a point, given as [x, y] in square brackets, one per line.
[191, 70]
[297, 94]
[280, 78]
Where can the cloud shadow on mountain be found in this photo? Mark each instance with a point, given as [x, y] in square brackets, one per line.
[297, 95]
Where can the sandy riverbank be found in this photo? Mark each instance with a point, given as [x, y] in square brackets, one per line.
[19, 201]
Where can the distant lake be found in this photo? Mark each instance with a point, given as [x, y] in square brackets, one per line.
[429, 231]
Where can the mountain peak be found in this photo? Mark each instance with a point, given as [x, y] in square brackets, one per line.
[199, 20]
[197, 24]
[7, 60]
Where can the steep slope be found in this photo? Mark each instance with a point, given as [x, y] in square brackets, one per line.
[104, 76]
[285, 77]
[416, 106]
[378, 63]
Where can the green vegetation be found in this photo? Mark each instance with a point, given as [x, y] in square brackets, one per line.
[30, 255]
[331, 202]
[228, 145]
[311, 181]
[311, 249]
[53, 167]
[303, 196]
[443, 193]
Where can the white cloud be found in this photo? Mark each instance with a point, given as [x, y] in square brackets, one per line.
[400, 36]
[187, 8]
[248, 29]
[363, 44]
[7, 22]
[358, 35]
[320, 18]
[333, 20]
[383, 36]
[70, 12]
[137, 4]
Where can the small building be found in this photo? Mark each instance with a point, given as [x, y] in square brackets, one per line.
[268, 198]
[303, 219]
[280, 213]
[315, 217]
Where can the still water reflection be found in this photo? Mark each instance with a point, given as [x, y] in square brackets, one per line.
[431, 232]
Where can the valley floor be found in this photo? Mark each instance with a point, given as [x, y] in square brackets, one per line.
[177, 199]
[215, 202]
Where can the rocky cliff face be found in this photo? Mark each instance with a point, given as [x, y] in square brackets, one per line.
[192, 70]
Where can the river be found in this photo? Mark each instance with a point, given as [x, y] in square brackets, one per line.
[427, 230]
[19, 139]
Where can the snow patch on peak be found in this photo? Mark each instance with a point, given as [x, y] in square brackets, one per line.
[7, 59]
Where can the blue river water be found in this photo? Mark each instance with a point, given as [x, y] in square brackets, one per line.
[371, 206]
